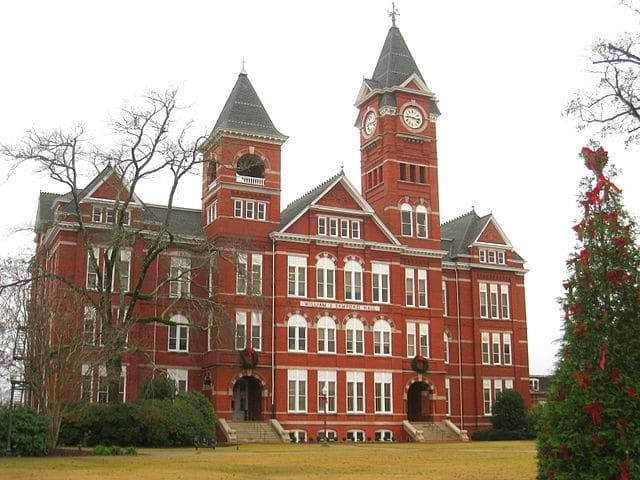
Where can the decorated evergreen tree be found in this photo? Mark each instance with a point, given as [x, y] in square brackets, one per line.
[590, 427]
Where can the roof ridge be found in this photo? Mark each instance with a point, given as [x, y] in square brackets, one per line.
[317, 187]
[459, 217]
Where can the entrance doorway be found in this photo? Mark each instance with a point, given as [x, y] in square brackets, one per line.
[246, 403]
[419, 403]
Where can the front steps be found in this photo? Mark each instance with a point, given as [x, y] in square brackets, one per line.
[253, 432]
[444, 431]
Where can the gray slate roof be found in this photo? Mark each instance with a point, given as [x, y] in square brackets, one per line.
[395, 65]
[244, 113]
[459, 233]
[182, 221]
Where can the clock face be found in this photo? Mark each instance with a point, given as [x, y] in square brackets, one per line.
[370, 121]
[412, 117]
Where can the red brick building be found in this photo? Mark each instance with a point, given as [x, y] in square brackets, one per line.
[355, 300]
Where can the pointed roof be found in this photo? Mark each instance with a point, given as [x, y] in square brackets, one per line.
[395, 63]
[462, 232]
[244, 113]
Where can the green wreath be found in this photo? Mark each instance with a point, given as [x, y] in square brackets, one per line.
[420, 364]
[249, 358]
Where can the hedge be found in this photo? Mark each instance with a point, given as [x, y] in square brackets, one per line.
[29, 432]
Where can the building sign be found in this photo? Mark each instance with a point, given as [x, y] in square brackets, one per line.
[340, 306]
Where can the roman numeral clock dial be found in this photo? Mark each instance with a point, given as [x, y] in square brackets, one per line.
[412, 117]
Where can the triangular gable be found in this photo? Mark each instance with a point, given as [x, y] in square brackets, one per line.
[341, 197]
[492, 234]
[107, 185]
[364, 93]
[414, 82]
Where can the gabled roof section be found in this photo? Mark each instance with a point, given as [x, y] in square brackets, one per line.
[465, 231]
[186, 222]
[298, 207]
[244, 114]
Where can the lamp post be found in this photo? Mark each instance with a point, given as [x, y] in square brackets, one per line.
[325, 399]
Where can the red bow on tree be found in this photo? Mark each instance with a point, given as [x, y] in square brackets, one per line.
[594, 411]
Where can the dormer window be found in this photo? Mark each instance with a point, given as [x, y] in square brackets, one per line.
[493, 256]
[108, 215]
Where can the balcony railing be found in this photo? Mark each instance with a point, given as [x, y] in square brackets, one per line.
[249, 180]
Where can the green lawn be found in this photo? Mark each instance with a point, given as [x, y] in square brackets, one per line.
[448, 461]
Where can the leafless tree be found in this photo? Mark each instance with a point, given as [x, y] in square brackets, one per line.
[613, 105]
[146, 149]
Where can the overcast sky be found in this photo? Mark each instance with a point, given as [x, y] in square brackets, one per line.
[502, 71]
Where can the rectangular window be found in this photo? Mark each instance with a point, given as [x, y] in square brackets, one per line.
[123, 271]
[409, 287]
[178, 337]
[355, 229]
[352, 282]
[382, 392]
[380, 282]
[506, 348]
[422, 288]
[412, 173]
[493, 298]
[126, 217]
[508, 384]
[93, 270]
[501, 257]
[355, 340]
[241, 274]
[262, 211]
[491, 256]
[179, 377]
[421, 222]
[322, 225]
[86, 387]
[237, 208]
[355, 392]
[249, 209]
[241, 330]
[482, 255]
[297, 276]
[326, 380]
[179, 274]
[403, 171]
[212, 212]
[486, 396]
[89, 331]
[483, 301]
[423, 178]
[504, 301]
[256, 274]
[406, 227]
[111, 215]
[411, 339]
[333, 227]
[486, 358]
[445, 299]
[96, 216]
[497, 386]
[297, 391]
[344, 228]
[495, 348]
[424, 339]
[447, 396]
[256, 330]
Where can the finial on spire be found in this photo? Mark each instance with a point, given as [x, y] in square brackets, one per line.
[342, 168]
[393, 14]
[243, 71]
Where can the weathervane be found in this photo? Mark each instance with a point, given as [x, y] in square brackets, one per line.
[393, 13]
[243, 70]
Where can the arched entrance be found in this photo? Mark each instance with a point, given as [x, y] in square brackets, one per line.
[246, 403]
[419, 402]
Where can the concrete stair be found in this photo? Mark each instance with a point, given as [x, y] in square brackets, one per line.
[255, 432]
[435, 432]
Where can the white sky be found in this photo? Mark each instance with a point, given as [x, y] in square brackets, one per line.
[503, 71]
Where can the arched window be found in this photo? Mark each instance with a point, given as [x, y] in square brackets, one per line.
[179, 334]
[381, 338]
[422, 224]
[250, 165]
[326, 278]
[297, 328]
[353, 281]
[355, 336]
[406, 221]
[326, 335]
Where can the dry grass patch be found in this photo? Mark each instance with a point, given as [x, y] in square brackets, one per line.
[457, 461]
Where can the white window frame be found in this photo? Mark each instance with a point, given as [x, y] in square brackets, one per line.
[496, 349]
[354, 337]
[505, 311]
[422, 222]
[322, 226]
[447, 347]
[383, 392]
[89, 325]
[447, 396]
[423, 292]
[484, 301]
[382, 338]
[238, 208]
[329, 379]
[297, 276]
[180, 377]
[445, 299]
[333, 227]
[249, 209]
[122, 276]
[297, 391]
[353, 277]
[326, 332]
[383, 435]
[325, 278]
[355, 229]
[409, 287]
[356, 435]
[178, 335]
[485, 339]
[487, 397]
[180, 276]
[93, 273]
[255, 285]
[344, 228]
[355, 391]
[297, 330]
[380, 283]
[406, 220]
[97, 218]
[494, 310]
[241, 330]
[411, 339]
[256, 330]
[241, 274]
[506, 349]
[261, 213]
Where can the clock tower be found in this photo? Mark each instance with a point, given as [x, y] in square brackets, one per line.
[397, 123]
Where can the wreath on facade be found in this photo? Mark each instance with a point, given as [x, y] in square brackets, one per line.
[249, 358]
[420, 364]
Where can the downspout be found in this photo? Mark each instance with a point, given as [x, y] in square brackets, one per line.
[459, 350]
[273, 326]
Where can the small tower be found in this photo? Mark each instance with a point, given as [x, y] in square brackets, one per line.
[399, 167]
[241, 174]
